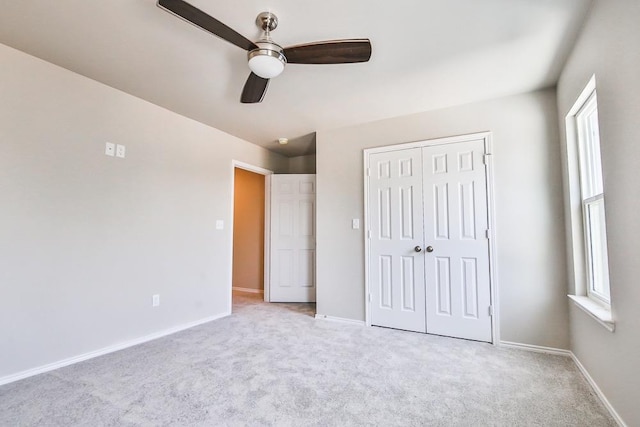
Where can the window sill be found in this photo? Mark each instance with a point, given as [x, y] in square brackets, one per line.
[601, 314]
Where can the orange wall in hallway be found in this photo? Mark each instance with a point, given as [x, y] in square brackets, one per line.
[248, 230]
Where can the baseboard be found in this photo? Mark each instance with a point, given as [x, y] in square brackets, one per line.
[581, 368]
[598, 392]
[339, 320]
[536, 348]
[248, 290]
[105, 350]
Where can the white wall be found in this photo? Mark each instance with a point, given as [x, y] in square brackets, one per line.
[86, 239]
[609, 47]
[528, 203]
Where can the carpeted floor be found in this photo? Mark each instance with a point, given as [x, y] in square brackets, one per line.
[274, 364]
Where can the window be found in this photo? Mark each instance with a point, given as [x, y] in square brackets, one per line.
[592, 200]
[585, 199]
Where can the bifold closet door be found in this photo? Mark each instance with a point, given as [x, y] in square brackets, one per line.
[428, 240]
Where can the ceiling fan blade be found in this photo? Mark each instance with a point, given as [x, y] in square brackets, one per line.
[254, 89]
[206, 22]
[330, 52]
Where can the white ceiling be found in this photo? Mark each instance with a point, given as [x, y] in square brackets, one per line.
[427, 54]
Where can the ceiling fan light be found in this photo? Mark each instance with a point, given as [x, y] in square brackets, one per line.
[267, 62]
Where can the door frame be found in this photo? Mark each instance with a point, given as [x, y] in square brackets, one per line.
[236, 164]
[493, 276]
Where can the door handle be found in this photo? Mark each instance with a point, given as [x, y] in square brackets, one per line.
[429, 248]
[417, 249]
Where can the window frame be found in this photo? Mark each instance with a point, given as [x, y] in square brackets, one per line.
[587, 239]
[592, 194]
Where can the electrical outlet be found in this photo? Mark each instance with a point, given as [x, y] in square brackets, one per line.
[120, 151]
[156, 300]
[219, 224]
[110, 149]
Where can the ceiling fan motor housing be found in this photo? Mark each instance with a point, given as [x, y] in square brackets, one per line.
[268, 60]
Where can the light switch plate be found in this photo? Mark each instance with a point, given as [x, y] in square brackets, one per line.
[110, 149]
[355, 223]
[219, 224]
[120, 151]
[156, 300]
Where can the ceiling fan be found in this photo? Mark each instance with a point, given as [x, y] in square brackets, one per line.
[267, 58]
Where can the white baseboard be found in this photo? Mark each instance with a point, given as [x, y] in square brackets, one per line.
[340, 320]
[598, 392]
[536, 348]
[583, 370]
[105, 350]
[248, 290]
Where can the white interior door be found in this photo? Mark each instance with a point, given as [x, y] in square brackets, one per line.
[457, 247]
[292, 275]
[432, 199]
[396, 269]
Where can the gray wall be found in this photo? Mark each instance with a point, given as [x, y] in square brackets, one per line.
[302, 164]
[86, 239]
[609, 47]
[528, 204]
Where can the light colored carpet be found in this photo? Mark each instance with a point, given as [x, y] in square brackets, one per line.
[273, 364]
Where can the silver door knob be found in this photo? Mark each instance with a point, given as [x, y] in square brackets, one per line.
[417, 249]
[429, 248]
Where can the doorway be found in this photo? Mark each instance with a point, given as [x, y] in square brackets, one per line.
[429, 237]
[250, 231]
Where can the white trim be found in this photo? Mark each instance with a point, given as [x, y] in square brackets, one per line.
[428, 142]
[596, 311]
[106, 350]
[267, 215]
[583, 97]
[493, 259]
[251, 168]
[535, 348]
[248, 290]
[340, 320]
[367, 239]
[267, 238]
[493, 276]
[618, 419]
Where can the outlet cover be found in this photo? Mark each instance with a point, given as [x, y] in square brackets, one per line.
[120, 151]
[219, 224]
[110, 149]
[156, 300]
